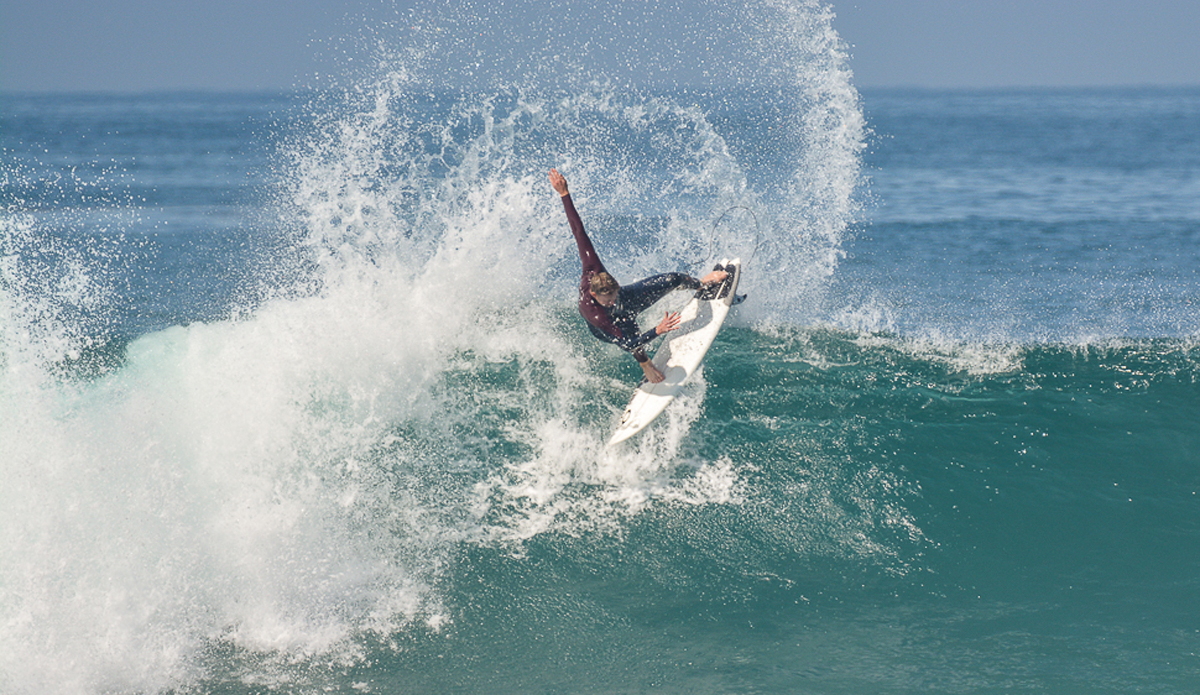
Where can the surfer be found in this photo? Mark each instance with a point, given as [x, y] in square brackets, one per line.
[610, 309]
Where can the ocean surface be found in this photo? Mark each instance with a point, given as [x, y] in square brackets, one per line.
[294, 397]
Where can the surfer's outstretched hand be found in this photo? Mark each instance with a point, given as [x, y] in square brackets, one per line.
[669, 323]
[559, 182]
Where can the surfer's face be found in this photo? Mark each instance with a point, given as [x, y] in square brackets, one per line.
[605, 298]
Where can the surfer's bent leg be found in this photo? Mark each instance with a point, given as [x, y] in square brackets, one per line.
[641, 295]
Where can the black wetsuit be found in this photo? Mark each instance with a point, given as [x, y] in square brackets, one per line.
[618, 324]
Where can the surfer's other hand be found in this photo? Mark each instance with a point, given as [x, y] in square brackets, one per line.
[669, 323]
[652, 374]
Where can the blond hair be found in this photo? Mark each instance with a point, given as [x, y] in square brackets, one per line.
[603, 283]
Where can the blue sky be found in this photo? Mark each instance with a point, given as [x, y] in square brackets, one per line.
[980, 43]
[140, 45]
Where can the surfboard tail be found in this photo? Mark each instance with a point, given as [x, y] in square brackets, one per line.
[720, 290]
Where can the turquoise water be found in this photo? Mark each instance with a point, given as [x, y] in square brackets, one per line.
[294, 397]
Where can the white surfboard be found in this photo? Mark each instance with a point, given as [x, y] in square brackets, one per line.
[682, 353]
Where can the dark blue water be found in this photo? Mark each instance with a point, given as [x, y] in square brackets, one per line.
[293, 396]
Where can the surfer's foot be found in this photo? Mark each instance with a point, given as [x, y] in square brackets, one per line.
[714, 277]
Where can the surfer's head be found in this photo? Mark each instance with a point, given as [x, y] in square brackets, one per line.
[604, 289]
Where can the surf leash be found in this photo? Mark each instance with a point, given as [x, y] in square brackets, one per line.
[712, 236]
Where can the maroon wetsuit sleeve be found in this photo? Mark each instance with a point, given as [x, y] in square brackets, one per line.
[587, 253]
[592, 312]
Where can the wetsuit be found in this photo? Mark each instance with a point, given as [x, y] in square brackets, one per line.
[618, 324]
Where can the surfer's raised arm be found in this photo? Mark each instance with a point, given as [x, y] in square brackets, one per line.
[587, 253]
